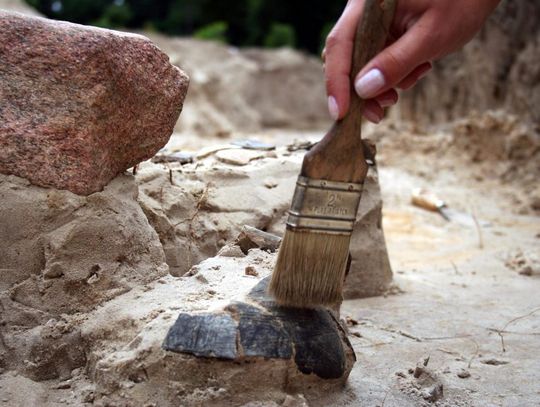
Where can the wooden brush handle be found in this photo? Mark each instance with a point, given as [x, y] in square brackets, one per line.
[339, 156]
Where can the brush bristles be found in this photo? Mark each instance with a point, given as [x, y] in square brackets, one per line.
[310, 269]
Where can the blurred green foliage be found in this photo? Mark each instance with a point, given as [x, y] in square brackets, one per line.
[271, 23]
[115, 15]
[280, 35]
[214, 31]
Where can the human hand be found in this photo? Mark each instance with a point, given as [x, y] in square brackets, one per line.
[421, 32]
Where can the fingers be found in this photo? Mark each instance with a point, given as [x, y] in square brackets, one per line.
[418, 73]
[337, 57]
[388, 98]
[393, 66]
[400, 65]
[374, 108]
[373, 111]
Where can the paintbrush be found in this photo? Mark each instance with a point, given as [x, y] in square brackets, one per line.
[312, 259]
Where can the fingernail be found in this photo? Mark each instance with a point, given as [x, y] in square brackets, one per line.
[333, 107]
[370, 84]
[424, 73]
[387, 101]
[371, 116]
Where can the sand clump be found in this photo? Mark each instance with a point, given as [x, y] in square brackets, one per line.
[63, 254]
[206, 204]
[197, 208]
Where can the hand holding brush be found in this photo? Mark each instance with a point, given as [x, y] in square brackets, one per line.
[311, 262]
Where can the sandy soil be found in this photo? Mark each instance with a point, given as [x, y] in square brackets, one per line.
[461, 305]
[460, 326]
[465, 296]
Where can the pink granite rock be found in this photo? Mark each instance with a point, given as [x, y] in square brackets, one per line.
[78, 105]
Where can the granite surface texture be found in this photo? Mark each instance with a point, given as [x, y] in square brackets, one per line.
[79, 105]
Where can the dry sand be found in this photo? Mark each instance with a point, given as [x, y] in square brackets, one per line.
[464, 296]
[461, 296]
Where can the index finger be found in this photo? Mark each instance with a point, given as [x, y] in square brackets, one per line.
[338, 55]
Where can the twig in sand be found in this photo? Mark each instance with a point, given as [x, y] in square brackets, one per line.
[513, 332]
[445, 338]
[171, 175]
[475, 354]
[400, 332]
[375, 345]
[190, 233]
[421, 339]
[503, 329]
[478, 230]
[410, 336]
[455, 268]
[449, 352]
[385, 396]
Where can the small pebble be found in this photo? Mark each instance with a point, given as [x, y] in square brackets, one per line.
[401, 374]
[88, 396]
[463, 374]
[201, 278]
[64, 385]
[270, 183]
[250, 271]
[93, 279]
[493, 362]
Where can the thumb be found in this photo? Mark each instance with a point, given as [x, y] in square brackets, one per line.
[417, 46]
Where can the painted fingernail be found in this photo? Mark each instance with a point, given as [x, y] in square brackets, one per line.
[387, 101]
[333, 107]
[424, 73]
[371, 116]
[370, 84]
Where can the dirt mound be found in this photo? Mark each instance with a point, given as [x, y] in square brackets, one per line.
[65, 254]
[245, 90]
[499, 68]
[504, 147]
[494, 146]
[196, 208]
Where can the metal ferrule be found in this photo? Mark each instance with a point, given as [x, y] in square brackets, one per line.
[327, 206]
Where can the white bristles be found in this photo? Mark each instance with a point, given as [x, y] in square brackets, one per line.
[310, 269]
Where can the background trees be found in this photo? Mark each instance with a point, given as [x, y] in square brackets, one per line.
[271, 23]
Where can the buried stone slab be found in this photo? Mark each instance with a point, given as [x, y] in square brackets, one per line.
[207, 335]
[81, 104]
[313, 338]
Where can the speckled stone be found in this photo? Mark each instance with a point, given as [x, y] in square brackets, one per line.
[79, 105]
